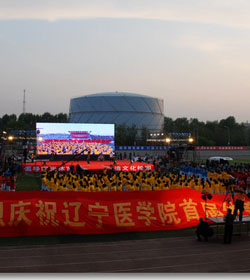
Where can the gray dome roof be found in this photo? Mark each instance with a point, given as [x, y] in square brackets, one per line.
[118, 108]
[113, 94]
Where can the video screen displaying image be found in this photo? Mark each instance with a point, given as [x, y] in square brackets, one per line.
[74, 138]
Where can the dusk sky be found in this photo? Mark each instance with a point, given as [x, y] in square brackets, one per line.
[193, 54]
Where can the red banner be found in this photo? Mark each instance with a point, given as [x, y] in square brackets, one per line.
[30, 213]
[124, 166]
[219, 148]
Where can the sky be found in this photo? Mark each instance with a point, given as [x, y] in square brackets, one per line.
[192, 54]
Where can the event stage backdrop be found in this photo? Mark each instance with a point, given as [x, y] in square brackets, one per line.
[75, 138]
[30, 213]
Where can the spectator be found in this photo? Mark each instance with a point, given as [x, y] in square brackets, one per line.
[203, 230]
[228, 230]
[239, 203]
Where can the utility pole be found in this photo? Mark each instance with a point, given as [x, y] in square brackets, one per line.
[24, 102]
[228, 134]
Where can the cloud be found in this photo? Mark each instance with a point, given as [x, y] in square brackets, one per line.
[200, 44]
[231, 13]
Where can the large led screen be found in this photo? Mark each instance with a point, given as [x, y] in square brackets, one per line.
[74, 138]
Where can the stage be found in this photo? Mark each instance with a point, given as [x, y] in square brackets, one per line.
[64, 166]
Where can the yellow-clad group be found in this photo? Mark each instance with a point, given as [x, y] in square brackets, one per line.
[215, 183]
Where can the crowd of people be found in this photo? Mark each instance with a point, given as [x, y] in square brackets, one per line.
[218, 180]
[8, 170]
[215, 183]
[204, 177]
[71, 148]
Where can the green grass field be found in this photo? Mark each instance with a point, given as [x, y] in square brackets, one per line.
[28, 182]
[64, 239]
[238, 161]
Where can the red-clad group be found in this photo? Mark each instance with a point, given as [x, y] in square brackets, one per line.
[7, 182]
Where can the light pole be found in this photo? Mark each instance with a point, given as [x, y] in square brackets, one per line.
[228, 134]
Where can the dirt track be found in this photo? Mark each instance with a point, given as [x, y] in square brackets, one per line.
[162, 255]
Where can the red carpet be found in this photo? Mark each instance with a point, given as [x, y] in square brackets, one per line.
[121, 165]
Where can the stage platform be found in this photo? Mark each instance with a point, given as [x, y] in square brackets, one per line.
[64, 166]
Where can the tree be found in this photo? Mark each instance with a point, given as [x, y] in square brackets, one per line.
[168, 125]
[144, 135]
[61, 118]
[181, 125]
[28, 121]
[131, 135]
[47, 117]
[120, 134]
[228, 122]
[125, 135]
[209, 133]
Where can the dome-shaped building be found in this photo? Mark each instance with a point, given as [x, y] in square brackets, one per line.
[118, 108]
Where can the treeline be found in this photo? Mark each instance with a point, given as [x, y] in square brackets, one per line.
[221, 133]
[28, 121]
[210, 133]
